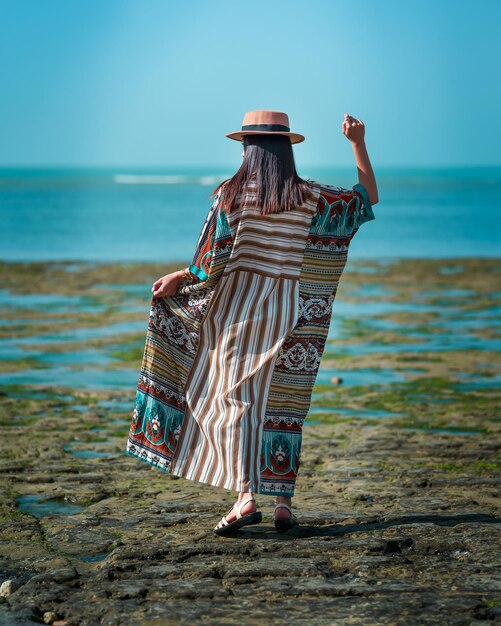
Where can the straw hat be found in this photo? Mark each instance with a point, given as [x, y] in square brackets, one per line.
[264, 122]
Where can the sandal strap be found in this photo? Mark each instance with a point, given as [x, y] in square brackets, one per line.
[284, 506]
[238, 507]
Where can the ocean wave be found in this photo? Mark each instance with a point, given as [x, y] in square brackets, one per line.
[167, 179]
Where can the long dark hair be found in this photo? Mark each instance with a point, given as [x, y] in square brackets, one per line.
[269, 161]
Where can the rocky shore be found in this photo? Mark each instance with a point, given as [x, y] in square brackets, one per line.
[397, 495]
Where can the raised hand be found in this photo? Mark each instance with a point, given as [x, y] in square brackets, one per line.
[353, 129]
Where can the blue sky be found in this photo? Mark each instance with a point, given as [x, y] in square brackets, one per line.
[159, 83]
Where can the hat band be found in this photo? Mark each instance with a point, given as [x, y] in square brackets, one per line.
[266, 127]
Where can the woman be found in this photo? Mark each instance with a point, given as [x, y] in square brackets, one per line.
[234, 341]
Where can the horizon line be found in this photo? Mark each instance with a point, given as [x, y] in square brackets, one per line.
[232, 166]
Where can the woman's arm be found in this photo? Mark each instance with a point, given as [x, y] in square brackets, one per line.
[354, 130]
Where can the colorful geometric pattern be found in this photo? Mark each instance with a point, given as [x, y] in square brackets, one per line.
[339, 215]
[173, 337]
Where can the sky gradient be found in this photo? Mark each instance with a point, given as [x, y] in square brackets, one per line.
[159, 83]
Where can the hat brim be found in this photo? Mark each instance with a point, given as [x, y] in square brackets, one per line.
[239, 135]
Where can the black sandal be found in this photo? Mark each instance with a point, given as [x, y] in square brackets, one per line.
[282, 525]
[225, 528]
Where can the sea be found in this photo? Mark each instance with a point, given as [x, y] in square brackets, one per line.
[138, 214]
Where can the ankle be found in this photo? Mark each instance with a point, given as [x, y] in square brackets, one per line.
[283, 500]
[250, 503]
[244, 495]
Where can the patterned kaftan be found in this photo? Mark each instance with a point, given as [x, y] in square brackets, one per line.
[230, 361]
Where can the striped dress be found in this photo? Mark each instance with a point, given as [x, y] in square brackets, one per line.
[230, 361]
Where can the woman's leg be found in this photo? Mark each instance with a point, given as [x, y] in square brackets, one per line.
[283, 513]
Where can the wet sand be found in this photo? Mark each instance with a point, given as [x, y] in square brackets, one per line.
[398, 492]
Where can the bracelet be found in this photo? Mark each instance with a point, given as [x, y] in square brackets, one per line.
[187, 274]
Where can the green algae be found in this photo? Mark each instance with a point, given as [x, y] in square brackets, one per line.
[492, 603]
[52, 278]
[326, 418]
[132, 355]
[18, 365]
[386, 466]
[438, 425]
[473, 468]
[335, 357]
[487, 466]
[446, 407]
[355, 328]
